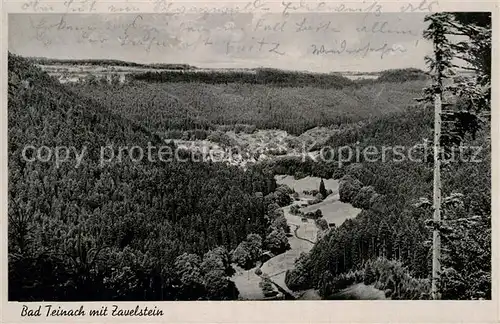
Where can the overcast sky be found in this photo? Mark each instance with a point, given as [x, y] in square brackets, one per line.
[315, 42]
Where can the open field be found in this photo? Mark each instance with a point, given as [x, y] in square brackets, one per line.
[334, 211]
[307, 183]
[247, 283]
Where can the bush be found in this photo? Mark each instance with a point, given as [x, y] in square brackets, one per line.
[295, 210]
[281, 223]
[200, 134]
[394, 276]
[386, 275]
[363, 198]
[378, 203]
[299, 277]
[338, 173]
[313, 201]
[221, 138]
[322, 224]
[276, 241]
[282, 195]
[369, 275]
[314, 215]
[273, 210]
[220, 287]
[267, 287]
[349, 187]
[345, 280]
[241, 256]
[299, 175]
[285, 189]
[175, 134]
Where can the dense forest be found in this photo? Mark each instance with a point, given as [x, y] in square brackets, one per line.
[276, 77]
[389, 243]
[390, 226]
[135, 230]
[201, 106]
[150, 230]
[266, 76]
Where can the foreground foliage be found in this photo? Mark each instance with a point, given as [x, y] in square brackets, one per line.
[395, 223]
[115, 231]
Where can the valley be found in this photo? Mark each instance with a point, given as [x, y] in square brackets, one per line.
[244, 150]
[260, 216]
[302, 237]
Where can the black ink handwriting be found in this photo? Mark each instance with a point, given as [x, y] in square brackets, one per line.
[363, 50]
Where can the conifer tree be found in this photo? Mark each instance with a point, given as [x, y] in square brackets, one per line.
[461, 119]
[322, 189]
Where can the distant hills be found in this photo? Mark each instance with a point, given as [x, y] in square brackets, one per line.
[260, 75]
[104, 62]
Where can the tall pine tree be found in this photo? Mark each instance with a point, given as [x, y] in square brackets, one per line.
[322, 189]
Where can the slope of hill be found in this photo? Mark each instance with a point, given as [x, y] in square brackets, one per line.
[130, 230]
[172, 99]
[293, 109]
[392, 227]
[266, 76]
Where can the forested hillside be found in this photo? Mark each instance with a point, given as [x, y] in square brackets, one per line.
[188, 105]
[263, 76]
[390, 226]
[122, 231]
[389, 243]
[144, 229]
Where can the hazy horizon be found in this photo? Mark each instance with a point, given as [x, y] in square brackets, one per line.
[215, 68]
[314, 42]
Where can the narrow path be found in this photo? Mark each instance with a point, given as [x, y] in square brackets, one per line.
[277, 274]
[297, 235]
[301, 241]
